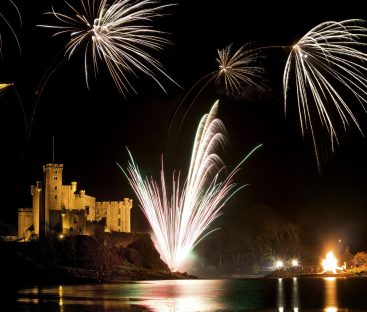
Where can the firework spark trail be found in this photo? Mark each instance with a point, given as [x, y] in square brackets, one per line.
[181, 220]
[10, 26]
[118, 34]
[3, 86]
[329, 56]
[235, 70]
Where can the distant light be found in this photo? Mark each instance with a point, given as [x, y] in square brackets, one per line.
[279, 264]
[295, 262]
[340, 240]
[61, 236]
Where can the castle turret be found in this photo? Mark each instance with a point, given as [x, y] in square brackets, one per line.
[73, 186]
[38, 208]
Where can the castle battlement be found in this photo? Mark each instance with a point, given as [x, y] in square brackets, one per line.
[52, 166]
[126, 202]
[25, 210]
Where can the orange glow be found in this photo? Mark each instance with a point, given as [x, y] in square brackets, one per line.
[330, 263]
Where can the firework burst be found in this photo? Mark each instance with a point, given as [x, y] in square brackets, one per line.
[120, 34]
[180, 220]
[236, 69]
[328, 68]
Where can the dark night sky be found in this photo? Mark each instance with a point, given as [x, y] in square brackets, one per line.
[92, 127]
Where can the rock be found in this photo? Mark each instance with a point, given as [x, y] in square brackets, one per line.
[84, 258]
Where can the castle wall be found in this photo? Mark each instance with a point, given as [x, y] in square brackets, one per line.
[101, 210]
[25, 221]
[117, 214]
[67, 197]
[88, 203]
[74, 222]
[128, 204]
[95, 227]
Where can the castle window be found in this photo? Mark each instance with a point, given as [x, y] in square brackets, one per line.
[119, 211]
[55, 187]
[119, 222]
[55, 172]
[87, 210]
[55, 178]
[71, 229]
[55, 196]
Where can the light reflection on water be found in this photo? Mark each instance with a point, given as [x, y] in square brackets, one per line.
[330, 304]
[331, 300]
[189, 295]
[169, 296]
[280, 295]
[295, 295]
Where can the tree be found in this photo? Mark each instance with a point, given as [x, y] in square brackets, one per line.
[360, 259]
[346, 257]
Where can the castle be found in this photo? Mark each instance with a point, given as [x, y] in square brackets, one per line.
[62, 210]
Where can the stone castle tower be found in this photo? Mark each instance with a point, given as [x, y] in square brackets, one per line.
[59, 208]
[53, 194]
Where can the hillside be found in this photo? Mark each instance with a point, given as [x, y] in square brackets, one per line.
[107, 257]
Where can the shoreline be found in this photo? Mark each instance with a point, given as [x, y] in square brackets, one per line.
[345, 274]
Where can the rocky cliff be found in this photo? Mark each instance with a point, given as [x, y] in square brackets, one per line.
[105, 257]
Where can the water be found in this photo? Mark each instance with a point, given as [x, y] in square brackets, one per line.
[307, 294]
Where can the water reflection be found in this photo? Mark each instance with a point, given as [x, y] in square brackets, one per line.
[280, 295]
[60, 297]
[331, 300]
[199, 295]
[169, 296]
[281, 302]
[160, 296]
[330, 303]
[295, 294]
